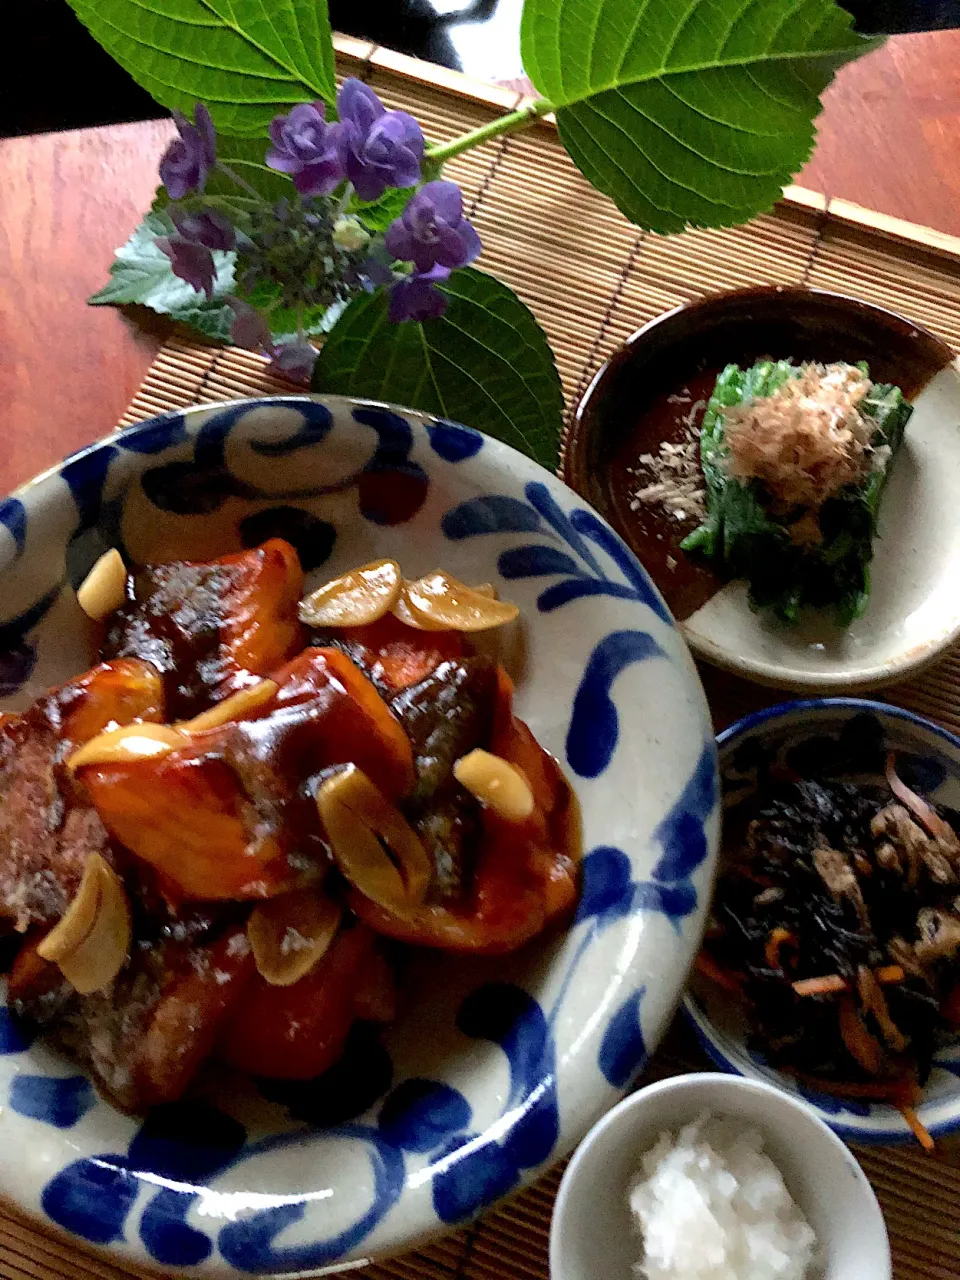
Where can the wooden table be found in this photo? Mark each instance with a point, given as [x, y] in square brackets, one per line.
[889, 139]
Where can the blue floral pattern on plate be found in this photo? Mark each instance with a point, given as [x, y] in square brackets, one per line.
[499, 1066]
[847, 739]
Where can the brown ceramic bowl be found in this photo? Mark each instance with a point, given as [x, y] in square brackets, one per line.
[640, 398]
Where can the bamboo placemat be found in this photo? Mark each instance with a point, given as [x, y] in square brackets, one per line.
[592, 278]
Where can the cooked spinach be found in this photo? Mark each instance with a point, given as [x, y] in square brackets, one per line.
[744, 537]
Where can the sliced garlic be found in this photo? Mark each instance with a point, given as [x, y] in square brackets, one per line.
[405, 614]
[359, 820]
[141, 741]
[289, 935]
[105, 586]
[127, 745]
[91, 943]
[232, 708]
[495, 783]
[77, 920]
[440, 601]
[355, 599]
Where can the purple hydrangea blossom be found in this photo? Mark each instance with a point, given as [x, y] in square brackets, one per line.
[190, 261]
[295, 360]
[432, 230]
[416, 297]
[377, 269]
[249, 329]
[190, 157]
[205, 226]
[378, 148]
[305, 147]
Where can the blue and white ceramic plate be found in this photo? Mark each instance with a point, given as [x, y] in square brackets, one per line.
[498, 1067]
[848, 739]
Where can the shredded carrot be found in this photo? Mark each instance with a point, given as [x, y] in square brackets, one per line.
[888, 973]
[778, 938]
[832, 982]
[824, 986]
[859, 1043]
[706, 965]
[916, 1125]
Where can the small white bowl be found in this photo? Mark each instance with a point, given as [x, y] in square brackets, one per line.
[592, 1233]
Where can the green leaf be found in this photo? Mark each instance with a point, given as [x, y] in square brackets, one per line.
[687, 111]
[212, 319]
[376, 215]
[265, 296]
[246, 59]
[141, 273]
[485, 363]
[316, 322]
[246, 157]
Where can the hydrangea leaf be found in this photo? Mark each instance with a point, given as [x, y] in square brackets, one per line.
[265, 296]
[246, 59]
[376, 215]
[141, 274]
[485, 363]
[687, 112]
[212, 319]
[246, 157]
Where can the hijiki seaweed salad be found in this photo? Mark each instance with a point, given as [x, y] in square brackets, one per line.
[836, 923]
[795, 459]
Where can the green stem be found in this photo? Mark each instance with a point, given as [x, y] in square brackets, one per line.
[520, 119]
[342, 203]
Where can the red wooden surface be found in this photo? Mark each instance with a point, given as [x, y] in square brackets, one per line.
[890, 132]
[889, 139]
[67, 371]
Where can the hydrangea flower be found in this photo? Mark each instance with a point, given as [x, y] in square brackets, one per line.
[432, 230]
[307, 253]
[249, 329]
[378, 148]
[416, 297]
[350, 235]
[205, 226]
[305, 147]
[295, 360]
[190, 261]
[190, 157]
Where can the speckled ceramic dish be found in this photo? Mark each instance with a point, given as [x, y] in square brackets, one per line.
[646, 389]
[498, 1066]
[840, 738]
